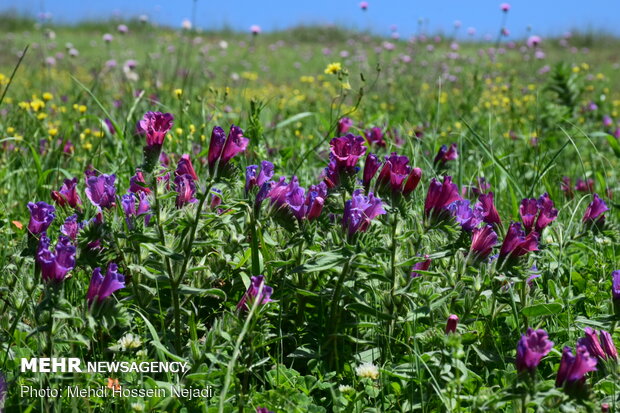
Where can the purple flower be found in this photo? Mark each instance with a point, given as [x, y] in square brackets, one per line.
[67, 195]
[465, 216]
[615, 285]
[185, 167]
[573, 369]
[102, 287]
[254, 293]
[55, 265]
[344, 124]
[101, 191]
[592, 343]
[265, 174]
[585, 186]
[489, 213]
[371, 166]
[422, 266]
[138, 184]
[186, 189]
[412, 181]
[375, 135]
[216, 145]
[41, 216]
[346, 151]
[71, 227]
[482, 241]
[595, 211]
[155, 125]
[394, 172]
[216, 198]
[452, 323]
[235, 144]
[533, 346]
[607, 344]
[110, 126]
[567, 186]
[128, 202]
[533, 41]
[537, 214]
[446, 154]
[440, 196]
[516, 243]
[263, 410]
[359, 211]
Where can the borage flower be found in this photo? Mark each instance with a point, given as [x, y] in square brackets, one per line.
[101, 191]
[138, 184]
[420, 266]
[222, 148]
[533, 346]
[359, 211]
[451, 324]
[482, 242]
[346, 151]
[185, 167]
[41, 217]
[186, 189]
[489, 212]
[67, 195]
[439, 197]
[344, 124]
[257, 290]
[252, 179]
[371, 166]
[55, 265]
[603, 348]
[595, 212]
[537, 214]
[128, 202]
[375, 136]
[465, 216]
[446, 154]
[155, 125]
[516, 243]
[102, 287]
[398, 175]
[573, 368]
[71, 227]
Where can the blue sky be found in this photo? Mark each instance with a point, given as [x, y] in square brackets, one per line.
[546, 17]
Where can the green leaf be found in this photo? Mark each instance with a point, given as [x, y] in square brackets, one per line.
[541, 309]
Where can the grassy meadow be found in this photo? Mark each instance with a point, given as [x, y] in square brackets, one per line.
[380, 235]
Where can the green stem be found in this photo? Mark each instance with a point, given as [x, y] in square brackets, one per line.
[334, 313]
[394, 277]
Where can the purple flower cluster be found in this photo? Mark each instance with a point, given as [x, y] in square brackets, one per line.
[55, 265]
[573, 368]
[294, 198]
[446, 154]
[41, 217]
[397, 176]
[595, 212]
[101, 190]
[533, 346]
[537, 214]
[67, 195]
[101, 287]
[599, 345]
[516, 243]
[359, 211]
[344, 153]
[257, 290]
[223, 148]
